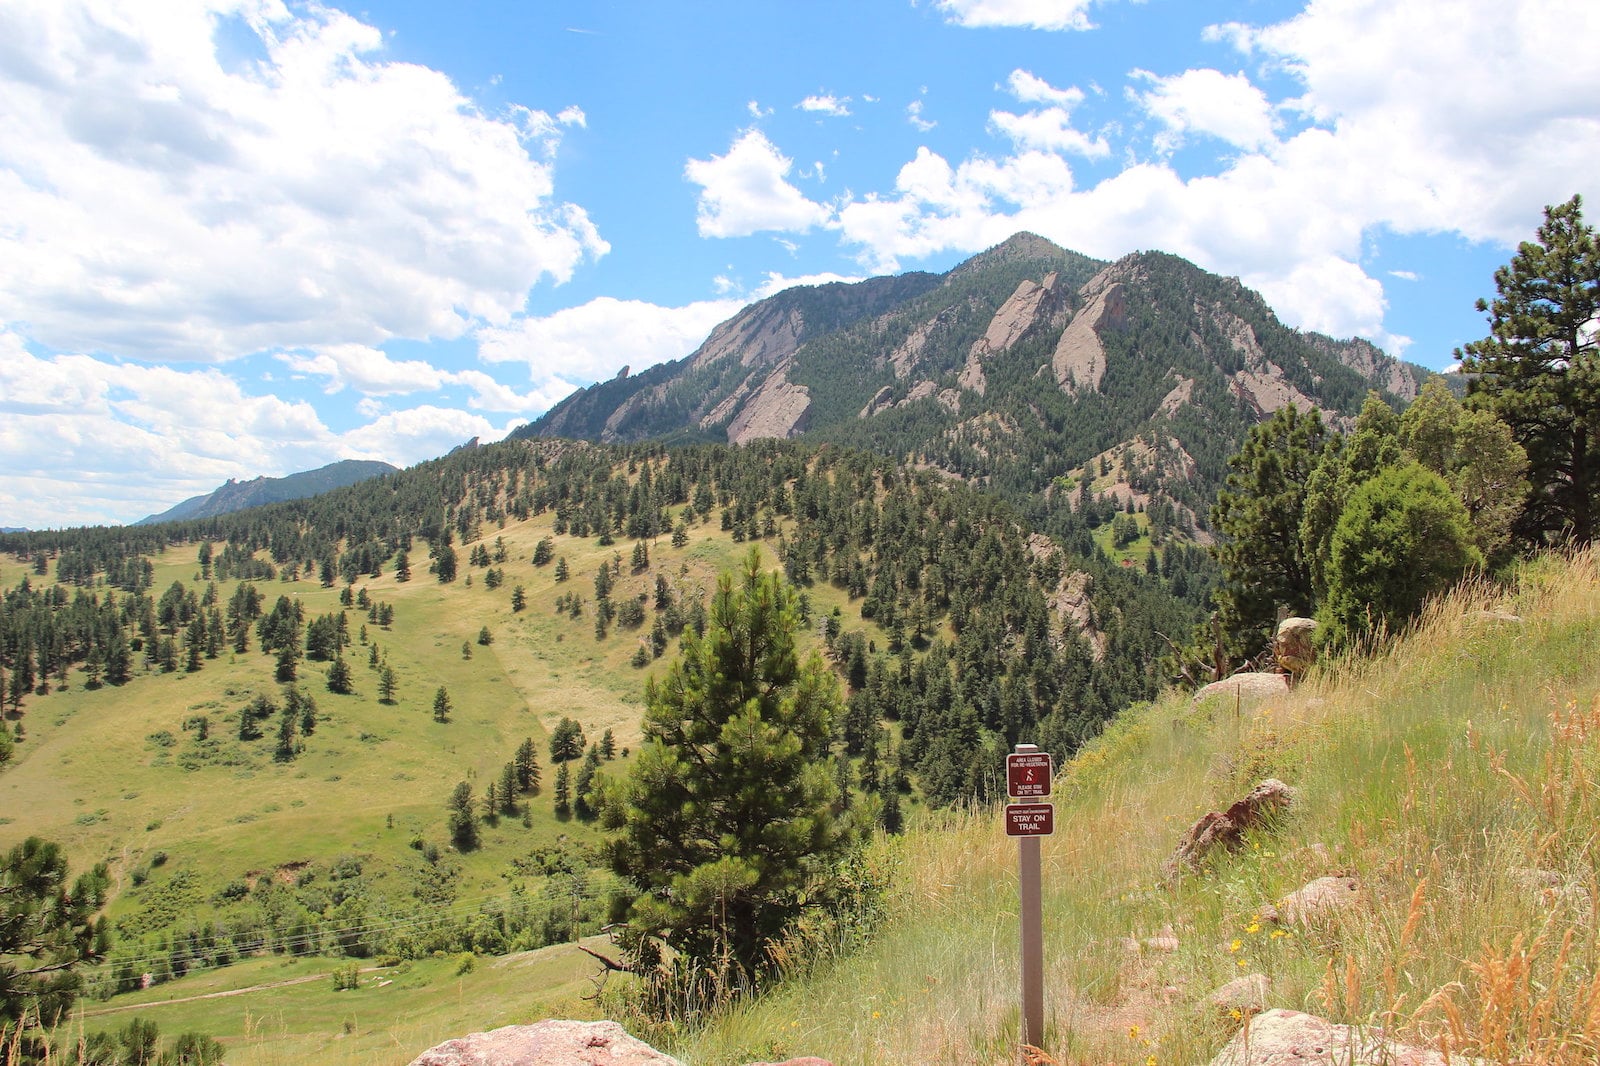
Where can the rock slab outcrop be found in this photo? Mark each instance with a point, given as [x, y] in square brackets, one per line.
[548, 1043]
[1291, 1038]
[1226, 829]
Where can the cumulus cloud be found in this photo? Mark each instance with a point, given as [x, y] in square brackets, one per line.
[165, 197]
[88, 441]
[592, 341]
[1026, 14]
[914, 116]
[746, 191]
[1226, 106]
[1388, 136]
[826, 104]
[368, 370]
[1048, 128]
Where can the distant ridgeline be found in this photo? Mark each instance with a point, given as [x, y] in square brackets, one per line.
[238, 495]
[1028, 369]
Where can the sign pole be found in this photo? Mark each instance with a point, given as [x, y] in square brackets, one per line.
[1031, 904]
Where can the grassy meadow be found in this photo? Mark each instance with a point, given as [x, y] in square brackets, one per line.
[1456, 774]
[103, 773]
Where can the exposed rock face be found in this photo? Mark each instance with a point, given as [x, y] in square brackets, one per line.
[1290, 1038]
[778, 409]
[1371, 362]
[1247, 995]
[1226, 829]
[1080, 359]
[1180, 395]
[1293, 647]
[1318, 900]
[1071, 597]
[759, 336]
[549, 1043]
[1033, 303]
[1245, 687]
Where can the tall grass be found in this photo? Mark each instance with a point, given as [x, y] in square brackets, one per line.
[1453, 771]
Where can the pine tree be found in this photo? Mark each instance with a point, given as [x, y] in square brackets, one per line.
[339, 677]
[441, 705]
[728, 811]
[388, 684]
[1539, 371]
[462, 823]
[527, 763]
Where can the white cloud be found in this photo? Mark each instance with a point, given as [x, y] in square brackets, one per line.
[1049, 129]
[1029, 88]
[1405, 275]
[756, 110]
[85, 441]
[368, 370]
[826, 104]
[1391, 136]
[592, 341]
[914, 116]
[1226, 106]
[745, 191]
[1026, 14]
[165, 200]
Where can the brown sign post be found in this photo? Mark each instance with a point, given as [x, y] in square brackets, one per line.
[1028, 775]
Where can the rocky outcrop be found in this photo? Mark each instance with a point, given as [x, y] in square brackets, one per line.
[1245, 687]
[1182, 393]
[1293, 646]
[1243, 996]
[777, 409]
[1374, 364]
[1226, 829]
[1316, 902]
[1290, 1038]
[549, 1043]
[761, 335]
[1079, 360]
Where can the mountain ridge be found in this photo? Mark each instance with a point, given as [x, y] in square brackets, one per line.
[239, 495]
[1018, 369]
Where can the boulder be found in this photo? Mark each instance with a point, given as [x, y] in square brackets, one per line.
[548, 1043]
[1247, 995]
[1290, 1038]
[804, 1060]
[1245, 687]
[1318, 900]
[1293, 647]
[1226, 829]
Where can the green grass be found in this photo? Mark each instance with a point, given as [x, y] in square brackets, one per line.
[1438, 772]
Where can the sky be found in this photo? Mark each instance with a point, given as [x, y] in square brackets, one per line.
[250, 237]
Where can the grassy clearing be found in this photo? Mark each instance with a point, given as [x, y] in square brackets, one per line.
[1456, 774]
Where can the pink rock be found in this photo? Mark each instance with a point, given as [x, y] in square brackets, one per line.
[1290, 1038]
[548, 1043]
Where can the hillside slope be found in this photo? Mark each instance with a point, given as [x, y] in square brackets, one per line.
[1026, 367]
[1454, 778]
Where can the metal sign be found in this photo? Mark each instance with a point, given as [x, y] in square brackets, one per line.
[1028, 775]
[1030, 819]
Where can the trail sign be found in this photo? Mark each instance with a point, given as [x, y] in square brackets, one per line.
[1028, 775]
[1030, 819]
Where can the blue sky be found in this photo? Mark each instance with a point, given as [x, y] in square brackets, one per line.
[245, 237]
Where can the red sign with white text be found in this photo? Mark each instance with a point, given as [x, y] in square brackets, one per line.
[1028, 775]
[1030, 819]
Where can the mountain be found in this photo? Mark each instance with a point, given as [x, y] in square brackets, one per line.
[1026, 367]
[238, 495]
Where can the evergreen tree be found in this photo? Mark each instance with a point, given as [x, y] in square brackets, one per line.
[388, 684]
[462, 823]
[1261, 552]
[47, 928]
[339, 677]
[1403, 537]
[728, 822]
[1539, 371]
[563, 792]
[527, 764]
[441, 705]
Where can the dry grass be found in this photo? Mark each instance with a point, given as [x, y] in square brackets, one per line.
[1454, 772]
